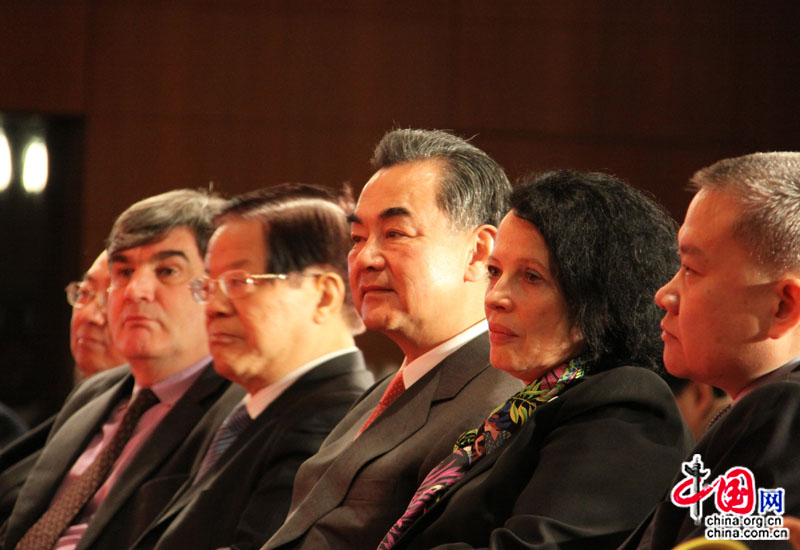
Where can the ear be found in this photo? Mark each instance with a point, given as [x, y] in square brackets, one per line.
[480, 249]
[331, 296]
[787, 314]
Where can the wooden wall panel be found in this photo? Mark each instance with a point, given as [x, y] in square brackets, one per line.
[253, 92]
[42, 61]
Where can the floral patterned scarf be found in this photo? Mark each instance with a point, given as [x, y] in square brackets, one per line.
[498, 428]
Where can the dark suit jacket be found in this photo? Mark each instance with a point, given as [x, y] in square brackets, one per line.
[17, 460]
[11, 426]
[349, 493]
[760, 432]
[155, 473]
[245, 495]
[581, 473]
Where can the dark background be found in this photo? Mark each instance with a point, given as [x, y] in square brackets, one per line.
[151, 95]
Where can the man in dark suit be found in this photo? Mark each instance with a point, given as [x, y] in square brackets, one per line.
[90, 344]
[89, 335]
[280, 321]
[422, 232]
[119, 449]
[733, 321]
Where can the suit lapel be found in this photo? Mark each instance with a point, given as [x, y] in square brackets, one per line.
[400, 421]
[270, 416]
[60, 453]
[161, 444]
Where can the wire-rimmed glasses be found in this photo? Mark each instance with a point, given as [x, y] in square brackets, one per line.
[235, 284]
[80, 294]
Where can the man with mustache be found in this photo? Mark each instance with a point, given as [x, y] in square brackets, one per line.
[733, 321]
[120, 446]
[422, 232]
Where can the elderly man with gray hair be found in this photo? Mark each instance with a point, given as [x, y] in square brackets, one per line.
[421, 233]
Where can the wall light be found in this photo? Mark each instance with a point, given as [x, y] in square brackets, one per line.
[35, 166]
[5, 162]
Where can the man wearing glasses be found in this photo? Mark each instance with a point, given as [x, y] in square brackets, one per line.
[90, 343]
[280, 324]
[125, 439]
[90, 339]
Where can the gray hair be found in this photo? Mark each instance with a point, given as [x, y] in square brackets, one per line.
[473, 190]
[149, 220]
[767, 185]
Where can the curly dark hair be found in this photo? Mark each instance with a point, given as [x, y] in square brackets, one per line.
[612, 248]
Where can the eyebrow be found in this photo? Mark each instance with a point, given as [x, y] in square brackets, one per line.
[394, 211]
[391, 212]
[690, 250]
[157, 257]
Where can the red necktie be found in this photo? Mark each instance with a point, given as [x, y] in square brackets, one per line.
[393, 391]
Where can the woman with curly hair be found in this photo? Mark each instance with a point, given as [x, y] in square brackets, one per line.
[579, 456]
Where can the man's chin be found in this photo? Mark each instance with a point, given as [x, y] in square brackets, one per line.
[380, 321]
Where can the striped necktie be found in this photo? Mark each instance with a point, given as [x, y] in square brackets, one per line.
[231, 427]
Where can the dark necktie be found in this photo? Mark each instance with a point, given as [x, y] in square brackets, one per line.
[394, 390]
[44, 534]
[231, 427]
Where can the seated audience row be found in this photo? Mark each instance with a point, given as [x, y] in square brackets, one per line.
[528, 411]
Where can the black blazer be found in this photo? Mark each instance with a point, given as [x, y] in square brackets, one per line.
[348, 494]
[760, 432]
[244, 497]
[17, 460]
[155, 473]
[581, 473]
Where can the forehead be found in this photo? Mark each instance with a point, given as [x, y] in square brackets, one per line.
[99, 269]
[709, 223]
[412, 186]
[518, 238]
[237, 243]
[177, 242]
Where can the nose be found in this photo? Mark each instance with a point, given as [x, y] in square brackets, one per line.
[141, 286]
[367, 256]
[498, 297]
[218, 305]
[96, 313]
[667, 296]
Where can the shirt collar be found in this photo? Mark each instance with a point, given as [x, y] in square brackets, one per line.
[420, 366]
[259, 401]
[172, 388]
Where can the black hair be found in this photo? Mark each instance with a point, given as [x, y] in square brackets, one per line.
[612, 248]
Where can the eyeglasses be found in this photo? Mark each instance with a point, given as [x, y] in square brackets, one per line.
[235, 284]
[80, 294]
